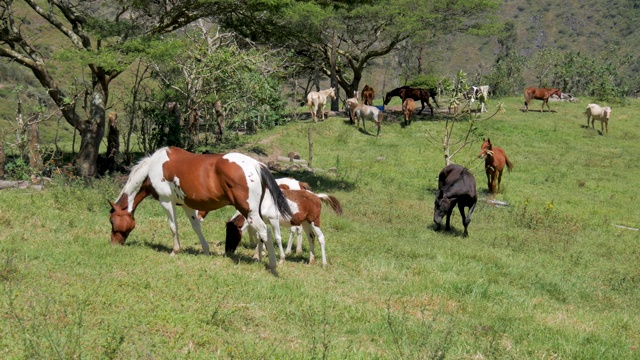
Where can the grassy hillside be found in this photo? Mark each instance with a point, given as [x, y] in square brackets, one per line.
[548, 276]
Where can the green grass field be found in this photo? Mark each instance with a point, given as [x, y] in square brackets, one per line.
[549, 276]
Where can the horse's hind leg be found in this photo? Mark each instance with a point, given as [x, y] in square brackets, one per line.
[195, 224]
[499, 181]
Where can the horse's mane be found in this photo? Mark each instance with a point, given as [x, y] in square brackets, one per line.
[137, 176]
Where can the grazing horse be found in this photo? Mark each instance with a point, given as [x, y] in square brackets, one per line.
[408, 105]
[456, 186]
[367, 95]
[306, 207]
[596, 112]
[361, 111]
[174, 176]
[414, 93]
[317, 100]
[539, 94]
[238, 220]
[494, 161]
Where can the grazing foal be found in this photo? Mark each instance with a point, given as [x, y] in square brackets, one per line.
[494, 161]
[456, 186]
[306, 207]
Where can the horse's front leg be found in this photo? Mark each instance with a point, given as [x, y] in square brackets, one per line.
[422, 102]
[170, 210]
[195, 224]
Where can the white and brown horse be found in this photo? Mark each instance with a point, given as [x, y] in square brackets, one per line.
[306, 207]
[283, 183]
[316, 100]
[174, 176]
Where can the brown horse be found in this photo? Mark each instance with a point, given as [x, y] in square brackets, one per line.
[367, 95]
[408, 105]
[494, 161]
[539, 94]
[174, 176]
[414, 93]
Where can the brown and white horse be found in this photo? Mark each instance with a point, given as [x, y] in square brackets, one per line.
[306, 207]
[284, 183]
[316, 100]
[539, 94]
[174, 176]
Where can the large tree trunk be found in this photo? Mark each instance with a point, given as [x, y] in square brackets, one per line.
[91, 134]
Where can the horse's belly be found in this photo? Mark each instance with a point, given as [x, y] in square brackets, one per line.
[206, 205]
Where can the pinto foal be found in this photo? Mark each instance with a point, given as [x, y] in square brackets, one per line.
[306, 207]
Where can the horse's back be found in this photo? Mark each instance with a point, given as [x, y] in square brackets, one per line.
[456, 181]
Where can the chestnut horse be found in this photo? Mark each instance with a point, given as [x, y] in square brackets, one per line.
[306, 208]
[316, 100]
[422, 95]
[408, 105]
[174, 176]
[539, 94]
[367, 95]
[494, 161]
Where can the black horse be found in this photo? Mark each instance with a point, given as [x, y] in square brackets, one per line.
[456, 186]
[422, 95]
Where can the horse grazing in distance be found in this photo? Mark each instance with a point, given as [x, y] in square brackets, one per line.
[174, 176]
[494, 161]
[539, 94]
[456, 186]
[361, 111]
[422, 95]
[316, 100]
[367, 95]
[306, 207]
[596, 112]
[408, 105]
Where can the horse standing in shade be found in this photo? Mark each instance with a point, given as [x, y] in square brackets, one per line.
[362, 111]
[367, 95]
[316, 100]
[494, 161]
[539, 94]
[408, 105]
[422, 95]
[174, 176]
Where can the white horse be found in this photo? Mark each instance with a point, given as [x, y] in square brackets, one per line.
[317, 99]
[361, 111]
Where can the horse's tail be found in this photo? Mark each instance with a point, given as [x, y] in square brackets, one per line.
[269, 182]
[234, 233]
[509, 163]
[331, 201]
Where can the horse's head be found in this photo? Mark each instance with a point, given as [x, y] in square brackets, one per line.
[122, 222]
[441, 208]
[332, 93]
[557, 92]
[387, 98]
[485, 148]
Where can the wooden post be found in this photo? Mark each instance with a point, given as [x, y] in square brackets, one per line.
[2, 159]
[33, 139]
[310, 147]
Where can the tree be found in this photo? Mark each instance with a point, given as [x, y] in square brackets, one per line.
[104, 37]
[358, 33]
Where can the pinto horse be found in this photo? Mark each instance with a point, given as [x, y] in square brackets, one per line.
[539, 94]
[317, 100]
[494, 161]
[306, 207]
[367, 95]
[174, 176]
[422, 95]
[238, 220]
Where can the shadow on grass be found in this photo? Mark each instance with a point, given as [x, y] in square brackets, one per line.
[453, 232]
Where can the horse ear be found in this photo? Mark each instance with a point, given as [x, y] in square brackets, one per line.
[113, 205]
